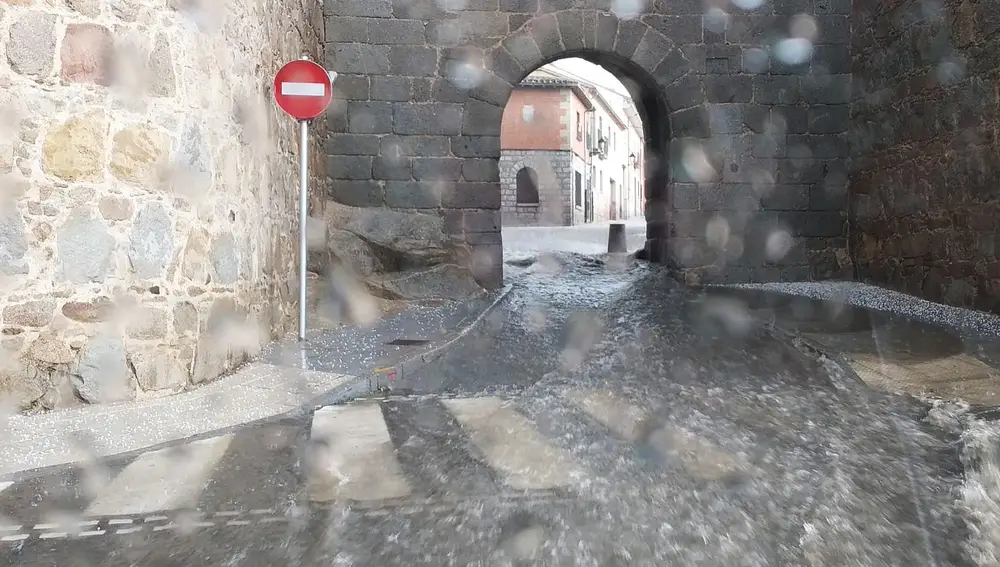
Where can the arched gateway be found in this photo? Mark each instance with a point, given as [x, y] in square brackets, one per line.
[745, 155]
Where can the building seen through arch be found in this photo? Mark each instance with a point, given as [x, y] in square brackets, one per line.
[582, 137]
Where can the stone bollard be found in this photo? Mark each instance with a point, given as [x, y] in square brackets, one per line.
[616, 238]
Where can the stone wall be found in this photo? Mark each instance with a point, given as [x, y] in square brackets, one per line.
[924, 181]
[765, 198]
[555, 187]
[746, 172]
[148, 211]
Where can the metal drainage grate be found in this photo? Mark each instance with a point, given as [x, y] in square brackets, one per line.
[408, 342]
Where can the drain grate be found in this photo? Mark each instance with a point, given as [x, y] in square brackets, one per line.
[408, 342]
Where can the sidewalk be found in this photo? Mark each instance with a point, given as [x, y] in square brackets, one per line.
[909, 345]
[331, 365]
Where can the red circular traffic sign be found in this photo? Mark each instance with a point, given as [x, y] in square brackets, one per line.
[303, 89]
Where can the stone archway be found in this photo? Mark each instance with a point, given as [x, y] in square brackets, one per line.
[668, 94]
[415, 133]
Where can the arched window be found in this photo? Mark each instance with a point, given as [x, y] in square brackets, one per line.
[527, 186]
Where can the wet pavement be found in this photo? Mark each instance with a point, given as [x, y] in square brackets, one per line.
[524, 243]
[889, 351]
[604, 416]
[364, 351]
[332, 365]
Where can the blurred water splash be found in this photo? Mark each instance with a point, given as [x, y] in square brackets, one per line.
[464, 74]
[793, 50]
[716, 20]
[950, 70]
[343, 298]
[696, 161]
[628, 9]
[717, 232]
[208, 15]
[805, 27]
[755, 60]
[778, 244]
[980, 492]
[584, 330]
[451, 5]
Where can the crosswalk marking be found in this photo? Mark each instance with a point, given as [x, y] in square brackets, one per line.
[699, 457]
[513, 446]
[626, 420]
[355, 458]
[161, 480]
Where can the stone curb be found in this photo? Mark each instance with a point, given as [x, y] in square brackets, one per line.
[805, 345]
[257, 393]
[418, 361]
[813, 348]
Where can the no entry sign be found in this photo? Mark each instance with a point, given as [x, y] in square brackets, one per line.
[303, 89]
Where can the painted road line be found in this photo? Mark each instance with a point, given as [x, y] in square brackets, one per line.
[53, 535]
[15, 537]
[125, 531]
[354, 457]
[699, 457]
[202, 524]
[166, 479]
[512, 446]
[624, 419]
[7, 527]
[303, 89]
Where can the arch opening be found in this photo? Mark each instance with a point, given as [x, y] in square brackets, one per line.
[526, 183]
[616, 166]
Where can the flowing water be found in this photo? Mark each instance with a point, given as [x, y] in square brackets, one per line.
[686, 431]
[756, 454]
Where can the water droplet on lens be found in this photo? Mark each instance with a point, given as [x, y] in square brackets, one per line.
[794, 50]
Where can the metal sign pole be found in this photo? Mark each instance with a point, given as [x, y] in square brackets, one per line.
[303, 90]
[303, 214]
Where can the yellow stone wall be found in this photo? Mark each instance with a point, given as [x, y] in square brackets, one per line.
[148, 192]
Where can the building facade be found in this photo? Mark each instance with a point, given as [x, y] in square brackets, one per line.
[570, 153]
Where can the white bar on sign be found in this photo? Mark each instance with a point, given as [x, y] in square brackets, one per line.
[303, 89]
[512, 446]
[161, 480]
[357, 460]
